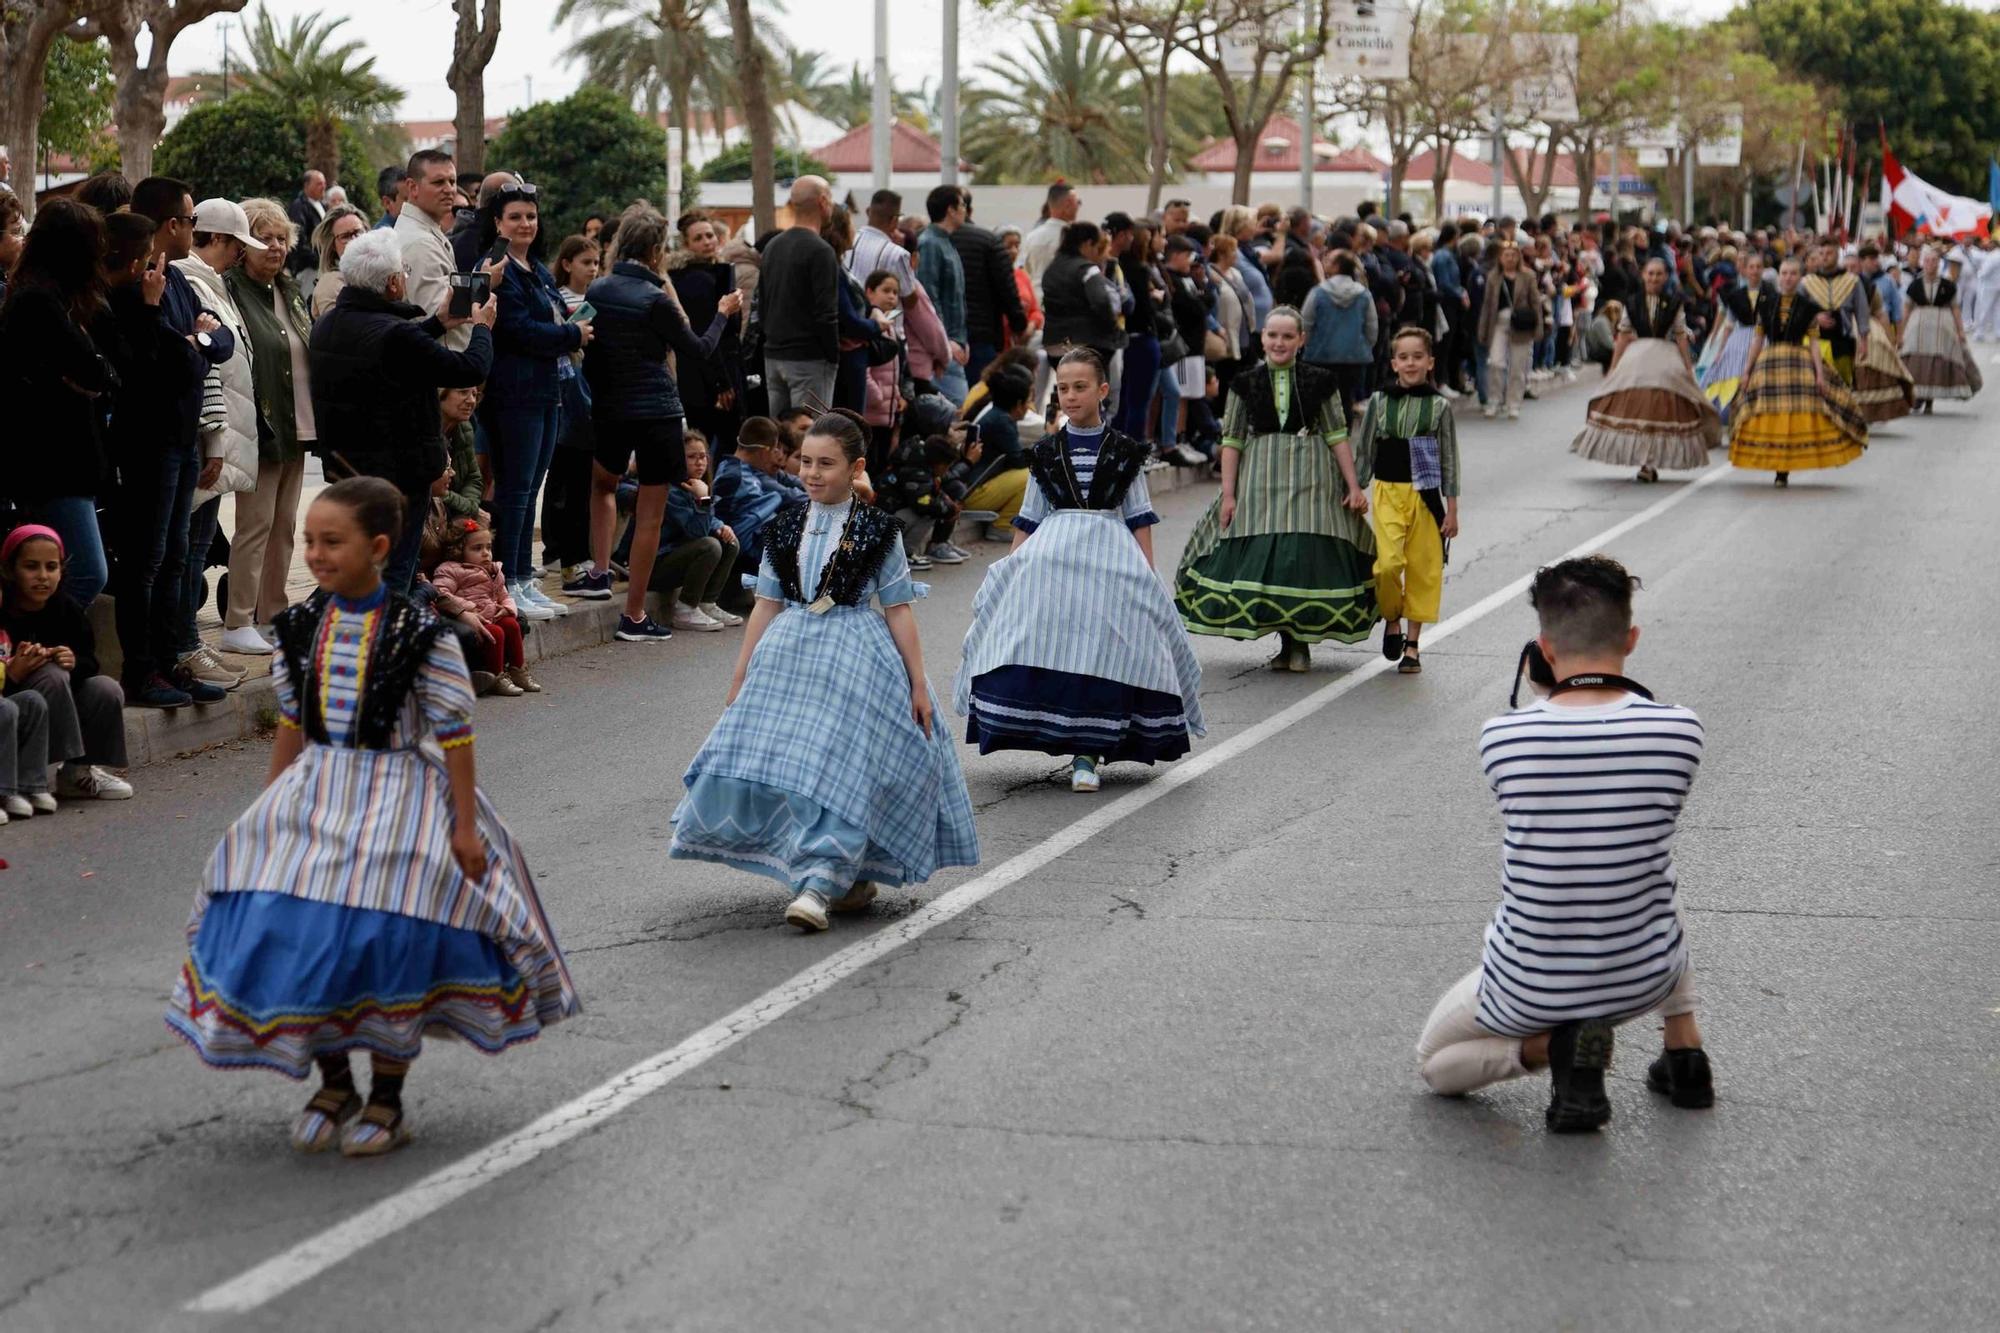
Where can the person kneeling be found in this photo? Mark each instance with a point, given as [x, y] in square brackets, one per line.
[1588, 933]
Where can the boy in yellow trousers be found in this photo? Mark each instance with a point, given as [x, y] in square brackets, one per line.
[1407, 447]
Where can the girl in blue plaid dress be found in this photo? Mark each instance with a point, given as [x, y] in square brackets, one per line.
[828, 770]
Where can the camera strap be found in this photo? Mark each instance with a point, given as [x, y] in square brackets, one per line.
[1597, 680]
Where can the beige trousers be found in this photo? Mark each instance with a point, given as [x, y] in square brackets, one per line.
[1508, 358]
[260, 550]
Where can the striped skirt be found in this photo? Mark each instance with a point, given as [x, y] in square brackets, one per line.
[335, 918]
[1075, 649]
[1785, 424]
[1649, 412]
[1721, 376]
[1883, 388]
[1936, 356]
[818, 775]
[1294, 560]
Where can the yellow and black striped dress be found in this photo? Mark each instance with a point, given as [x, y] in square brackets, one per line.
[1785, 422]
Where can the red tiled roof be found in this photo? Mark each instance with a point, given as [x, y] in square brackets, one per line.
[430, 131]
[1279, 151]
[1473, 168]
[910, 149]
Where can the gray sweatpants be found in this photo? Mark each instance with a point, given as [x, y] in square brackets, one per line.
[790, 384]
[86, 717]
[24, 744]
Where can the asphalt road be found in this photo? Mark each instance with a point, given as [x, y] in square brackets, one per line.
[1165, 1081]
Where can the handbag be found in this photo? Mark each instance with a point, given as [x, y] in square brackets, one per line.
[1522, 319]
[1214, 347]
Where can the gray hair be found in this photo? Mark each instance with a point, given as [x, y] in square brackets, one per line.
[1009, 230]
[1398, 229]
[371, 261]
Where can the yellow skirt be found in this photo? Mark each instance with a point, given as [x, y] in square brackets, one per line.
[1791, 442]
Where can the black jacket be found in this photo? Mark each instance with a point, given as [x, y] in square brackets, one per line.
[58, 389]
[992, 300]
[306, 219]
[377, 367]
[637, 324]
[1078, 305]
[798, 297]
[701, 288]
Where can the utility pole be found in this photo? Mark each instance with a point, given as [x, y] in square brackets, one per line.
[878, 131]
[225, 60]
[1306, 111]
[948, 95]
[1687, 184]
[1499, 158]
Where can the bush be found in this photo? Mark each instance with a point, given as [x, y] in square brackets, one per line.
[589, 153]
[249, 145]
[733, 164]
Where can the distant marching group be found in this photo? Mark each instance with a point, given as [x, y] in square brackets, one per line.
[370, 896]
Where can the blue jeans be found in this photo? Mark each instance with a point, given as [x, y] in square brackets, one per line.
[84, 569]
[952, 383]
[982, 355]
[202, 523]
[1170, 405]
[1479, 358]
[400, 573]
[1135, 391]
[523, 441]
[155, 497]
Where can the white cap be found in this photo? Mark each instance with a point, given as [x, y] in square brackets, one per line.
[220, 217]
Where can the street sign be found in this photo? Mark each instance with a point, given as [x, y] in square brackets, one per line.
[1370, 41]
[1723, 147]
[1544, 89]
[1653, 157]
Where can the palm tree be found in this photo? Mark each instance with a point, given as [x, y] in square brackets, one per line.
[850, 102]
[1068, 107]
[326, 83]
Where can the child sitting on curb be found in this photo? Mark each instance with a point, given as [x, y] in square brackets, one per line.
[473, 579]
[697, 556]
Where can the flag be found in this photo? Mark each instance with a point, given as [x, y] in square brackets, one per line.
[1993, 184]
[1913, 204]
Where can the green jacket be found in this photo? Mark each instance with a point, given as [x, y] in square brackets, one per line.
[271, 361]
[466, 497]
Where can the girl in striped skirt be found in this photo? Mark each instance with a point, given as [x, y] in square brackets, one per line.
[1074, 647]
[370, 896]
[1284, 549]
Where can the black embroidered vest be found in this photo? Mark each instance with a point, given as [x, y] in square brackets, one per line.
[1311, 388]
[855, 560]
[1740, 308]
[403, 638]
[1787, 319]
[1120, 460]
[1658, 325]
[1947, 292]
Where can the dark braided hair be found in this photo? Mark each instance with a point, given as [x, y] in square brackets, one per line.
[844, 427]
[376, 505]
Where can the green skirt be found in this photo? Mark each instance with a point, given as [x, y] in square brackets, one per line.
[1302, 584]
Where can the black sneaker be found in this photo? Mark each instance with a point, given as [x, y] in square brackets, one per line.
[1579, 1053]
[197, 689]
[643, 630]
[158, 692]
[1684, 1078]
[589, 587]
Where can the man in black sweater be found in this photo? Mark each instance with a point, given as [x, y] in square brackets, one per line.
[798, 304]
[991, 296]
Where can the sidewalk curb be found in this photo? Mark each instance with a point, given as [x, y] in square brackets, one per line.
[154, 736]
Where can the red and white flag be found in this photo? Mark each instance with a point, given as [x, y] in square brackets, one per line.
[1912, 204]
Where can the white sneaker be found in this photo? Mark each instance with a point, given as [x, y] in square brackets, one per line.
[728, 619]
[209, 669]
[1569, 374]
[44, 802]
[807, 912]
[1083, 774]
[92, 784]
[542, 599]
[246, 640]
[1513, 414]
[16, 807]
[687, 617]
[526, 606]
[1449, 394]
[3, 817]
[1487, 410]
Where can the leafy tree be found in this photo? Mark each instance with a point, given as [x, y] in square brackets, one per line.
[327, 83]
[850, 102]
[248, 145]
[80, 93]
[1067, 105]
[589, 153]
[788, 164]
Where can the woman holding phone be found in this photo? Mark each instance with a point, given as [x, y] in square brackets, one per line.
[710, 389]
[522, 409]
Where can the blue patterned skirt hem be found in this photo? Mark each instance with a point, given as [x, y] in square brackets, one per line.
[1062, 713]
[779, 835]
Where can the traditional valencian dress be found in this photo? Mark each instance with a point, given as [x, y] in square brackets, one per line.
[1936, 355]
[1075, 647]
[1883, 386]
[1295, 561]
[1649, 412]
[1784, 422]
[1720, 371]
[818, 776]
[334, 916]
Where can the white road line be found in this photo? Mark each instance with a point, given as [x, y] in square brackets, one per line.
[308, 1259]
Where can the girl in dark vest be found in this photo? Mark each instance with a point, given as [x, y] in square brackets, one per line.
[1284, 549]
[1074, 647]
[370, 896]
[1649, 410]
[828, 770]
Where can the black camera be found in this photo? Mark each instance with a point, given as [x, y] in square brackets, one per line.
[1536, 668]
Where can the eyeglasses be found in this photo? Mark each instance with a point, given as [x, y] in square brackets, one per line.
[348, 235]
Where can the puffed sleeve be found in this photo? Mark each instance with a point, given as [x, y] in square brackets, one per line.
[444, 692]
[287, 691]
[768, 586]
[892, 583]
[1034, 507]
[1137, 511]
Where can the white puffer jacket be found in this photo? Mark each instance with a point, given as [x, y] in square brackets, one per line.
[235, 442]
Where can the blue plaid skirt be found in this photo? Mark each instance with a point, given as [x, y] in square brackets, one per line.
[817, 775]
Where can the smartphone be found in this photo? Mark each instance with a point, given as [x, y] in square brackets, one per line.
[467, 290]
[582, 314]
[497, 253]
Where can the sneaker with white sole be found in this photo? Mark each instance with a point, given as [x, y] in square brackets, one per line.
[943, 554]
[91, 783]
[687, 617]
[727, 619]
[542, 599]
[807, 911]
[643, 630]
[526, 606]
[246, 640]
[855, 899]
[203, 665]
[16, 807]
[589, 586]
[44, 802]
[1083, 774]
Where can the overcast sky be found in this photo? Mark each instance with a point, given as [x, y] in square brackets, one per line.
[411, 41]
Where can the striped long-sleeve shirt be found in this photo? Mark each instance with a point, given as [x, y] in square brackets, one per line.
[1587, 925]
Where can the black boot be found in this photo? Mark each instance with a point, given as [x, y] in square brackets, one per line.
[1684, 1078]
[1579, 1053]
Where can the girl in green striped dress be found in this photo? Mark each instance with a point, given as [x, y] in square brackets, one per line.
[1284, 549]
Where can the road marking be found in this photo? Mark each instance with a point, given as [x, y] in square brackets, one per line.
[308, 1259]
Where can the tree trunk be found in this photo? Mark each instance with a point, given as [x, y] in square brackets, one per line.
[1156, 130]
[25, 42]
[142, 89]
[323, 148]
[754, 87]
[1441, 175]
[472, 43]
[1586, 176]
[1399, 169]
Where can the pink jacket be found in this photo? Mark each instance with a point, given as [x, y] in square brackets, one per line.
[884, 391]
[480, 587]
[930, 349]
